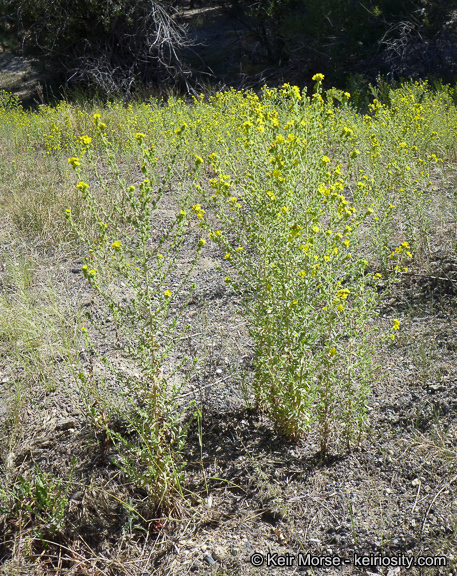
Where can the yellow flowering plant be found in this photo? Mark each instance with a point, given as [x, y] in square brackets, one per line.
[289, 232]
[132, 275]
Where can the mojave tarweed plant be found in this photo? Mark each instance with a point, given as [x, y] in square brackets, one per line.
[290, 233]
[130, 267]
[392, 173]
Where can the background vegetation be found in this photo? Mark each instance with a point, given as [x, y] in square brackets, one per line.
[121, 45]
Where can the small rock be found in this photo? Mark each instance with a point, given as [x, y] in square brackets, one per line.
[66, 424]
[234, 551]
[209, 559]
[218, 371]
[219, 553]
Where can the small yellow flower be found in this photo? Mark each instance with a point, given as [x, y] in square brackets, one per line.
[343, 293]
[198, 210]
[227, 256]
[116, 245]
[201, 242]
[332, 351]
[140, 136]
[167, 294]
[82, 186]
[325, 159]
[396, 324]
[74, 161]
[86, 140]
[318, 77]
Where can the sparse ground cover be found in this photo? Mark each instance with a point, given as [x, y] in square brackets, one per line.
[227, 327]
